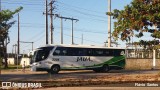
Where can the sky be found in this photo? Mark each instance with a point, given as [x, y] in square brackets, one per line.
[90, 13]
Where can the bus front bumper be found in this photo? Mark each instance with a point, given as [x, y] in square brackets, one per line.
[37, 68]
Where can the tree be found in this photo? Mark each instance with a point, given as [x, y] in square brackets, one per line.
[141, 16]
[5, 25]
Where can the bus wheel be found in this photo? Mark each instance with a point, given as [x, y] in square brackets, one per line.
[105, 68]
[55, 69]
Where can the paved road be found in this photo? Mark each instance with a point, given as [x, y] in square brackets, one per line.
[81, 74]
[14, 75]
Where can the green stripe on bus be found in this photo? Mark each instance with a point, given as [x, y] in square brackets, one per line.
[117, 61]
[113, 60]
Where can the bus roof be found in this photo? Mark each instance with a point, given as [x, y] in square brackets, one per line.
[81, 46]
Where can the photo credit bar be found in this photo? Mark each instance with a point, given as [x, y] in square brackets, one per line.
[8, 85]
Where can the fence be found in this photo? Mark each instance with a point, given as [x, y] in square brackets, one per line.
[142, 54]
[138, 59]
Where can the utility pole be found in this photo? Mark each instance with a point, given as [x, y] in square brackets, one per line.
[32, 46]
[72, 19]
[109, 24]
[52, 28]
[15, 52]
[16, 55]
[61, 31]
[72, 31]
[82, 39]
[46, 21]
[12, 50]
[18, 45]
[18, 36]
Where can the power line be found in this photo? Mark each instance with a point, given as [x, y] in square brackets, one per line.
[21, 3]
[40, 38]
[81, 38]
[87, 14]
[35, 40]
[86, 18]
[67, 28]
[28, 42]
[83, 13]
[78, 7]
[34, 36]
[85, 30]
[92, 15]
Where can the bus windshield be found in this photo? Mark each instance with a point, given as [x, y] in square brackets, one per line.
[41, 53]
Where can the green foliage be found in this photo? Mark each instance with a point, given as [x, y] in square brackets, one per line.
[5, 25]
[148, 44]
[140, 16]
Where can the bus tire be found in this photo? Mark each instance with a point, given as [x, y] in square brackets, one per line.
[55, 69]
[105, 68]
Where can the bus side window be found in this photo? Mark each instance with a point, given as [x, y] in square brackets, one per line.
[60, 51]
[70, 52]
[119, 52]
[108, 52]
[116, 53]
[97, 52]
[88, 52]
[80, 52]
[56, 52]
[64, 52]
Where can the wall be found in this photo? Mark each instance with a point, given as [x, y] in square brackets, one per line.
[141, 64]
[27, 61]
[12, 61]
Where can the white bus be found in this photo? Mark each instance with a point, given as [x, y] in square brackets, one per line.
[53, 58]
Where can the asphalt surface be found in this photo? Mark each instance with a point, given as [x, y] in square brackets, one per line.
[19, 75]
[28, 76]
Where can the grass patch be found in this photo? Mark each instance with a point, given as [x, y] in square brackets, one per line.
[13, 67]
